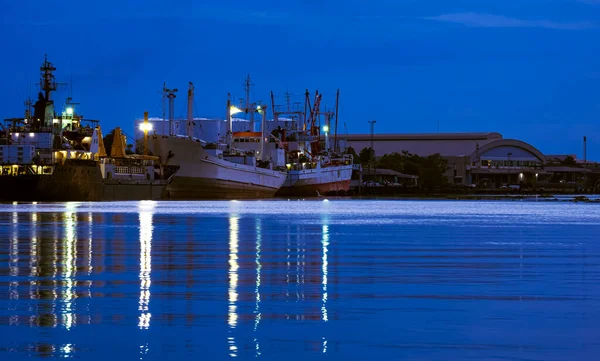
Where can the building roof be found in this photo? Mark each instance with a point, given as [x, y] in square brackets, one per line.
[381, 171]
[446, 144]
[425, 136]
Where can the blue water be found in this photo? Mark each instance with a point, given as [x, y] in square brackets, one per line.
[296, 280]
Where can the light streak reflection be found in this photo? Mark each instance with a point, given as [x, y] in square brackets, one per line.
[146, 209]
[257, 313]
[232, 315]
[69, 268]
[13, 265]
[324, 269]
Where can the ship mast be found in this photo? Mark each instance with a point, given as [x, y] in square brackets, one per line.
[249, 107]
[48, 82]
[170, 94]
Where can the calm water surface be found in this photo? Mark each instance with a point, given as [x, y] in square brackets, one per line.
[338, 279]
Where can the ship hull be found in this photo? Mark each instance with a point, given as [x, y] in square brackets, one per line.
[83, 182]
[210, 188]
[205, 176]
[333, 180]
[19, 188]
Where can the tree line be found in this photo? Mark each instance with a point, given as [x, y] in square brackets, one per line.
[430, 170]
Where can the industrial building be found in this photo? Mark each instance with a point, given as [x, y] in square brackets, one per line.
[484, 159]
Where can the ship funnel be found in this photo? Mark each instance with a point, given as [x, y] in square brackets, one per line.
[118, 147]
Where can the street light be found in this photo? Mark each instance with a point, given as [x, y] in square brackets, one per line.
[372, 152]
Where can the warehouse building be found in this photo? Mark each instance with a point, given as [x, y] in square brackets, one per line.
[484, 159]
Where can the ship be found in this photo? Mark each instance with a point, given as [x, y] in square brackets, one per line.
[314, 165]
[215, 170]
[31, 146]
[118, 177]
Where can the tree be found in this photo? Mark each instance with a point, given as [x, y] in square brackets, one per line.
[431, 169]
[393, 161]
[352, 152]
[569, 161]
[365, 156]
[129, 149]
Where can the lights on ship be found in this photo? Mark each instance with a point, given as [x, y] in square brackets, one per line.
[31, 135]
[69, 111]
[234, 110]
[325, 128]
[146, 127]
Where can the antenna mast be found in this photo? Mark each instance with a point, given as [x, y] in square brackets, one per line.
[337, 109]
[48, 82]
[249, 106]
[164, 107]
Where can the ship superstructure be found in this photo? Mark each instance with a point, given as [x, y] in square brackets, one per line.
[32, 145]
[314, 164]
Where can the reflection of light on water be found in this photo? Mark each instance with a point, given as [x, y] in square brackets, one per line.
[324, 270]
[146, 228]
[89, 257]
[233, 281]
[69, 267]
[13, 287]
[33, 266]
[144, 350]
[325, 244]
[257, 314]
[66, 351]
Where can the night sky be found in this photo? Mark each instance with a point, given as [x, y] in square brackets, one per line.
[529, 69]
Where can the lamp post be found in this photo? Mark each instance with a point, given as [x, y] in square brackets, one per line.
[509, 167]
[372, 150]
[145, 127]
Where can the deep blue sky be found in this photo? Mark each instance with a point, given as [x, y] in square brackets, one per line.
[529, 69]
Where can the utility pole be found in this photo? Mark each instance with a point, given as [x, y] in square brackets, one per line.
[584, 164]
[372, 150]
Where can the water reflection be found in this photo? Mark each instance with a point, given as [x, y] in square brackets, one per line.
[13, 265]
[232, 316]
[146, 228]
[68, 266]
[324, 271]
[257, 314]
[297, 283]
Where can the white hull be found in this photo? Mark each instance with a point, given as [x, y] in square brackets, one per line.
[318, 181]
[203, 175]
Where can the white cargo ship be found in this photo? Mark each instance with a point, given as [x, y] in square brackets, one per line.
[214, 170]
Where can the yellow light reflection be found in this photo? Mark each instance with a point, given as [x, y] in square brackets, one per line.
[69, 267]
[232, 316]
[33, 265]
[13, 287]
[146, 229]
